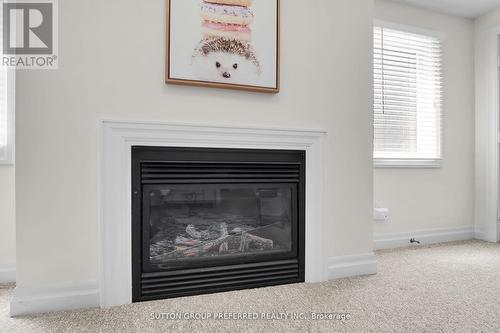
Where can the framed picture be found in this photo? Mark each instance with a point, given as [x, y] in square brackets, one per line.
[230, 44]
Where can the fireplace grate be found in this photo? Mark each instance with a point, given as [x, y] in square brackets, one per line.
[193, 172]
[185, 282]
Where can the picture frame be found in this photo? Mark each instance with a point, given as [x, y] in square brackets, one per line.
[217, 44]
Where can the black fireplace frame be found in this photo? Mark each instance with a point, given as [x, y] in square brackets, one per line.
[209, 276]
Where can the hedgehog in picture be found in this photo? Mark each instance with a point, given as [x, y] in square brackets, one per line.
[220, 59]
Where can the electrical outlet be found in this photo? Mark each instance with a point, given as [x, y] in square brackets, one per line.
[381, 214]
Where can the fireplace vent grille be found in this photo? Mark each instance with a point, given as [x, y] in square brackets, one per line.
[179, 172]
[177, 283]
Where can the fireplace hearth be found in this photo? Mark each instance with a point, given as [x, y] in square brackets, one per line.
[207, 220]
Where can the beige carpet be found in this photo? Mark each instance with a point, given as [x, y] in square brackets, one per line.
[443, 288]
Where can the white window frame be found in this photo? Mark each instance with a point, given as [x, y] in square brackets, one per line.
[10, 106]
[413, 162]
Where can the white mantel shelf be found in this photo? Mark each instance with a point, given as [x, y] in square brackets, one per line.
[117, 138]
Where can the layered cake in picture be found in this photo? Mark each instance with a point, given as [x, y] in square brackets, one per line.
[227, 19]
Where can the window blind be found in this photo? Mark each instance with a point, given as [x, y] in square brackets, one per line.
[407, 95]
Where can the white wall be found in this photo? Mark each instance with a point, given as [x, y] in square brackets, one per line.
[7, 218]
[423, 199]
[487, 28]
[112, 66]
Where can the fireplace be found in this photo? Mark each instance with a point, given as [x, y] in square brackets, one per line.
[207, 220]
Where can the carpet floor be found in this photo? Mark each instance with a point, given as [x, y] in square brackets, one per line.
[452, 287]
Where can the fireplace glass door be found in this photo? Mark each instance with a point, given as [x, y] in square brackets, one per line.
[188, 225]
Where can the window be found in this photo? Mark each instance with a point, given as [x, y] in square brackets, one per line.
[407, 98]
[7, 99]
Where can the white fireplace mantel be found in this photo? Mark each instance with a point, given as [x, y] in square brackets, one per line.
[117, 138]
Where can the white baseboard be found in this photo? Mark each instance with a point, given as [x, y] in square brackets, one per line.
[347, 266]
[425, 237]
[7, 273]
[34, 300]
[478, 234]
[487, 236]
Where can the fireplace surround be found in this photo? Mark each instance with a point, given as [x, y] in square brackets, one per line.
[207, 220]
[117, 139]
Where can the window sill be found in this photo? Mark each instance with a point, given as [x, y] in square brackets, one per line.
[408, 163]
[6, 159]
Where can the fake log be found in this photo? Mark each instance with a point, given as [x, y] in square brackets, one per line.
[225, 243]
[195, 233]
[260, 243]
[252, 242]
[210, 245]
